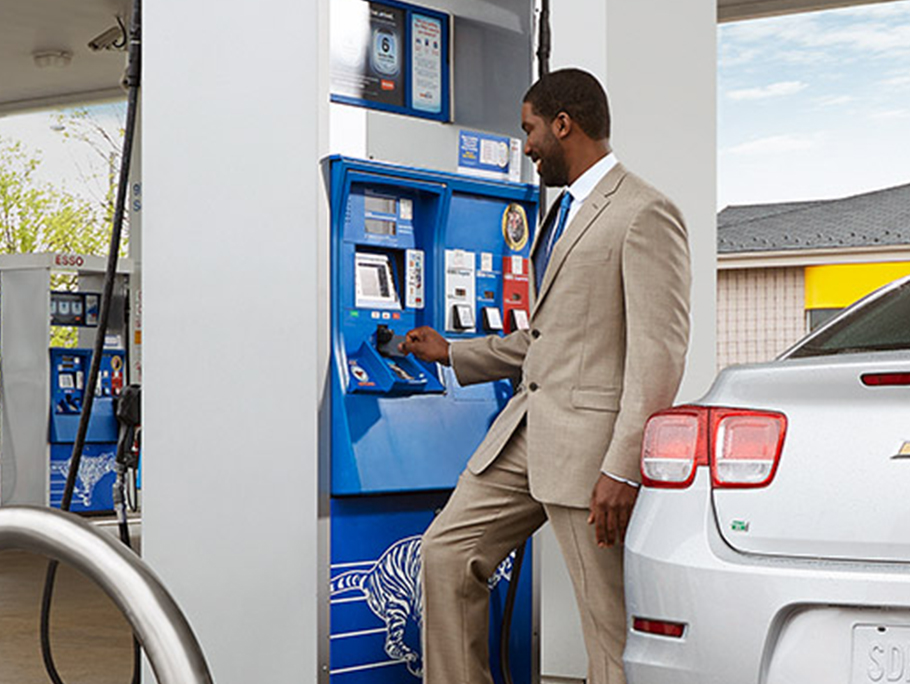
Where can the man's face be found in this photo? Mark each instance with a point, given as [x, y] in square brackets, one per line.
[544, 148]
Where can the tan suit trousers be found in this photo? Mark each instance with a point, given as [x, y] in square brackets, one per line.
[487, 516]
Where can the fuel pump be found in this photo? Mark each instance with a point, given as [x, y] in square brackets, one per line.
[412, 247]
[44, 388]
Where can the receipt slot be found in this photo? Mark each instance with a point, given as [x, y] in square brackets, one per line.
[410, 248]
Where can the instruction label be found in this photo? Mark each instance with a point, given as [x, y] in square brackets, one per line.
[489, 156]
[426, 64]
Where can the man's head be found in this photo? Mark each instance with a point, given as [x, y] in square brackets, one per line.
[567, 121]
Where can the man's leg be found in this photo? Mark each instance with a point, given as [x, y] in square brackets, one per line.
[597, 578]
[487, 516]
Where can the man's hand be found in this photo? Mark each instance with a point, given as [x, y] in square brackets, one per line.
[426, 344]
[611, 507]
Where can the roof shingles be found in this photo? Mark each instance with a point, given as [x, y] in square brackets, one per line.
[879, 218]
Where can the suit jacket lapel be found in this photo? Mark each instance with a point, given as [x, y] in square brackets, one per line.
[596, 202]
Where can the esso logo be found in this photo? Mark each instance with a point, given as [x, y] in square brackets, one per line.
[69, 260]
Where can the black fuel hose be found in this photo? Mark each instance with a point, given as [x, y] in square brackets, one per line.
[133, 71]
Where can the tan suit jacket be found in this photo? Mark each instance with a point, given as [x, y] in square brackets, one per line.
[606, 346]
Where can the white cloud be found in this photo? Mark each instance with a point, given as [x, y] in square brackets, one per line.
[897, 82]
[890, 114]
[835, 100]
[780, 89]
[774, 144]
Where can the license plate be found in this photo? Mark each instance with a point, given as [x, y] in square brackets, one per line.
[881, 654]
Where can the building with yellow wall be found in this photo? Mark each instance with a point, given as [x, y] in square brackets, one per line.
[785, 268]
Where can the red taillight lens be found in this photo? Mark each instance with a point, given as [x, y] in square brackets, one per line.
[885, 379]
[659, 627]
[674, 443]
[746, 447]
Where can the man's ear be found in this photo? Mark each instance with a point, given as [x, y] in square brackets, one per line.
[562, 125]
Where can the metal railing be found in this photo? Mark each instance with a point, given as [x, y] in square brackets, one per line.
[156, 619]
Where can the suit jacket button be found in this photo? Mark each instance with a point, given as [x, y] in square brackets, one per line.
[535, 333]
[533, 386]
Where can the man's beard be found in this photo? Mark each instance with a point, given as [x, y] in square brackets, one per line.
[554, 171]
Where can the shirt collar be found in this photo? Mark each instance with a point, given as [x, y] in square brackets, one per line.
[587, 181]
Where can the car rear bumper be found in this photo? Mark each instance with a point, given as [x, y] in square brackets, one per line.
[749, 619]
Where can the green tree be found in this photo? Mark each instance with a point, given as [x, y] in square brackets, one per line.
[36, 217]
[92, 129]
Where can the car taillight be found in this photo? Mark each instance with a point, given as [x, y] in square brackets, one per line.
[742, 446]
[674, 443]
[885, 379]
[746, 447]
[659, 627]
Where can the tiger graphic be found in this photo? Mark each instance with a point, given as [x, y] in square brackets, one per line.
[393, 593]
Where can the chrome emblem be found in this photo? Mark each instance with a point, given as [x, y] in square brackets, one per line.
[904, 451]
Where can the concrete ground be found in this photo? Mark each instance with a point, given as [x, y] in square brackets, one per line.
[91, 641]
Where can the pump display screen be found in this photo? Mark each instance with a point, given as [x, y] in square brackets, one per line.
[375, 283]
[378, 227]
[74, 308]
[374, 204]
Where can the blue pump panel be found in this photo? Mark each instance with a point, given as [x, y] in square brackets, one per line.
[375, 600]
[69, 376]
[411, 248]
[95, 483]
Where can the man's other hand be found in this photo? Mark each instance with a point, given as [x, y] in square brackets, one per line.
[426, 344]
[611, 507]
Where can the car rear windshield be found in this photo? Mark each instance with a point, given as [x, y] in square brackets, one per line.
[881, 324]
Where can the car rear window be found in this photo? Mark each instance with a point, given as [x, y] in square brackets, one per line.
[882, 323]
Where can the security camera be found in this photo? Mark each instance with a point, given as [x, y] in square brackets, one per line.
[112, 39]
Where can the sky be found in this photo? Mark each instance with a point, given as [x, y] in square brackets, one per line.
[67, 163]
[814, 106]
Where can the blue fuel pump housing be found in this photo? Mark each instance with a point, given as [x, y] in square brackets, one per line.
[411, 247]
[69, 373]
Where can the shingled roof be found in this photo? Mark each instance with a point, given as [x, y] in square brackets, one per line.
[873, 219]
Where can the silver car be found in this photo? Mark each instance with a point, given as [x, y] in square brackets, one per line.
[771, 540]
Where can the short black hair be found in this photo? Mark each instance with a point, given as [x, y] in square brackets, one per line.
[578, 94]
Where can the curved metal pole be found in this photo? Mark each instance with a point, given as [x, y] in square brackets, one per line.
[155, 617]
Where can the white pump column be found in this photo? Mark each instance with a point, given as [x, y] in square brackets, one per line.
[232, 99]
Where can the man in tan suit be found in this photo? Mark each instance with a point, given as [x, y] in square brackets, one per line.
[606, 348]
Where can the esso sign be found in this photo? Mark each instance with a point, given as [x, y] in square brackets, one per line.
[72, 260]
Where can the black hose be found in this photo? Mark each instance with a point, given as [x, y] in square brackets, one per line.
[544, 44]
[505, 631]
[133, 71]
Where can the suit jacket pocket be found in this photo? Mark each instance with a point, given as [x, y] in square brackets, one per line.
[596, 399]
[591, 257]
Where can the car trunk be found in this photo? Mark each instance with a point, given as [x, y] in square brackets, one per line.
[842, 487]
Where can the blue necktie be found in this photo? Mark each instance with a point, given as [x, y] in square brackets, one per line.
[549, 238]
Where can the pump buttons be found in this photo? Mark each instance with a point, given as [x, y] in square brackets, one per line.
[519, 319]
[492, 319]
[463, 317]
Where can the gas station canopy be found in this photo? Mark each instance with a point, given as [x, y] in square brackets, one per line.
[45, 58]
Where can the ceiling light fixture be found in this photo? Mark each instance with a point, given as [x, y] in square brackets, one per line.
[46, 59]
